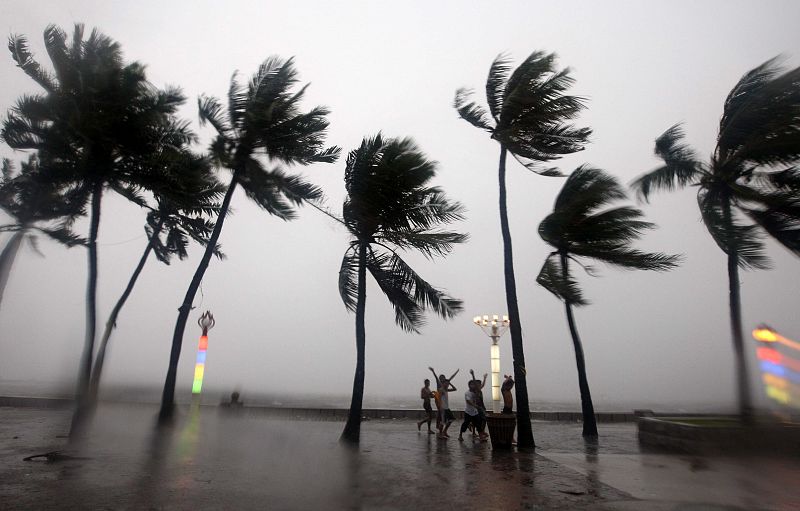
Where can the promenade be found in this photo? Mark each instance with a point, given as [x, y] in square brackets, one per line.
[214, 459]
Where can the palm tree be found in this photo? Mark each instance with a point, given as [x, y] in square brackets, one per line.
[390, 208]
[750, 187]
[96, 119]
[581, 227]
[33, 205]
[263, 119]
[529, 118]
[181, 212]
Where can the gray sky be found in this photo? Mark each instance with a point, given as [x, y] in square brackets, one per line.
[394, 66]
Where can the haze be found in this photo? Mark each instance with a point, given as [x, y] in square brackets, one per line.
[650, 339]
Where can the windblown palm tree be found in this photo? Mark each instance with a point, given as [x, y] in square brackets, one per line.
[390, 208]
[263, 120]
[529, 114]
[582, 227]
[182, 211]
[750, 187]
[34, 205]
[96, 119]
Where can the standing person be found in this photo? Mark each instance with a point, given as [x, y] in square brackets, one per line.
[426, 394]
[445, 415]
[508, 399]
[471, 415]
[479, 404]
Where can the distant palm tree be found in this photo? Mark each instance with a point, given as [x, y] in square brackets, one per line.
[183, 210]
[263, 120]
[750, 187]
[581, 227]
[529, 111]
[390, 208]
[34, 205]
[96, 119]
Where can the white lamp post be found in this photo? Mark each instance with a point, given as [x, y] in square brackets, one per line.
[494, 327]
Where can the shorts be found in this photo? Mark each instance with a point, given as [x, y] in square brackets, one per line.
[427, 407]
[446, 416]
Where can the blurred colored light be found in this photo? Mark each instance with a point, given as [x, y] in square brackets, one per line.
[203, 343]
[201, 357]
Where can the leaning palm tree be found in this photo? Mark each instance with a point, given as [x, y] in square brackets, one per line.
[263, 121]
[530, 114]
[33, 205]
[389, 208]
[583, 226]
[96, 119]
[751, 186]
[182, 211]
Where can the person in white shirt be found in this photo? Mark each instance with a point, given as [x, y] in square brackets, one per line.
[471, 415]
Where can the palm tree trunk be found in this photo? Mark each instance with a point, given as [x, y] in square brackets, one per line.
[7, 258]
[352, 430]
[168, 395]
[97, 370]
[85, 371]
[735, 304]
[524, 430]
[589, 420]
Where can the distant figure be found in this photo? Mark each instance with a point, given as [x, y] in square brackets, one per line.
[426, 394]
[508, 398]
[235, 400]
[445, 415]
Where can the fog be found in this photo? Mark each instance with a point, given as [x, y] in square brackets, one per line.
[657, 339]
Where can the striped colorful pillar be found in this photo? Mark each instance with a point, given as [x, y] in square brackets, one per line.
[206, 322]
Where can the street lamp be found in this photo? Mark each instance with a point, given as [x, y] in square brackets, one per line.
[494, 327]
[206, 322]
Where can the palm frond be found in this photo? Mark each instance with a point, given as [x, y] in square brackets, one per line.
[745, 241]
[407, 313]
[20, 52]
[275, 191]
[681, 166]
[551, 277]
[63, 235]
[348, 277]
[211, 112]
[496, 84]
[781, 224]
[471, 111]
[430, 244]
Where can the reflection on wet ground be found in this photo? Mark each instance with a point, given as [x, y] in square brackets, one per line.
[216, 460]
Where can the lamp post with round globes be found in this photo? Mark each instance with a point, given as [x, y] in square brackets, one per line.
[206, 322]
[494, 327]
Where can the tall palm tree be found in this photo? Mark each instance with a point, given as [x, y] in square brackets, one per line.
[749, 188]
[182, 211]
[263, 121]
[529, 114]
[582, 226]
[95, 120]
[390, 208]
[33, 205]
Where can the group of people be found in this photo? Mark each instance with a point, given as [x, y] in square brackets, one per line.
[474, 408]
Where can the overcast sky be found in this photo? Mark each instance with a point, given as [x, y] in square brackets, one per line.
[394, 67]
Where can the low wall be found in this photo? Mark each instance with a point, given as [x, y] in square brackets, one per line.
[325, 413]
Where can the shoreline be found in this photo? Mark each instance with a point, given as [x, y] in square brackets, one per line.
[334, 413]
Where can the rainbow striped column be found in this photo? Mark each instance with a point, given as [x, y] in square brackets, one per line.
[205, 322]
[200, 366]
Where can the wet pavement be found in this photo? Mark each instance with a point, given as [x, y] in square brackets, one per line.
[218, 460]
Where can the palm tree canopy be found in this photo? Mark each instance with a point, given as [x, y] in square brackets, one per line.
[529, 110]
[583, 225]
[184, 205]
[264, 117]
[389, 207]
[752, 184]
[97, 116]
[35, 203]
